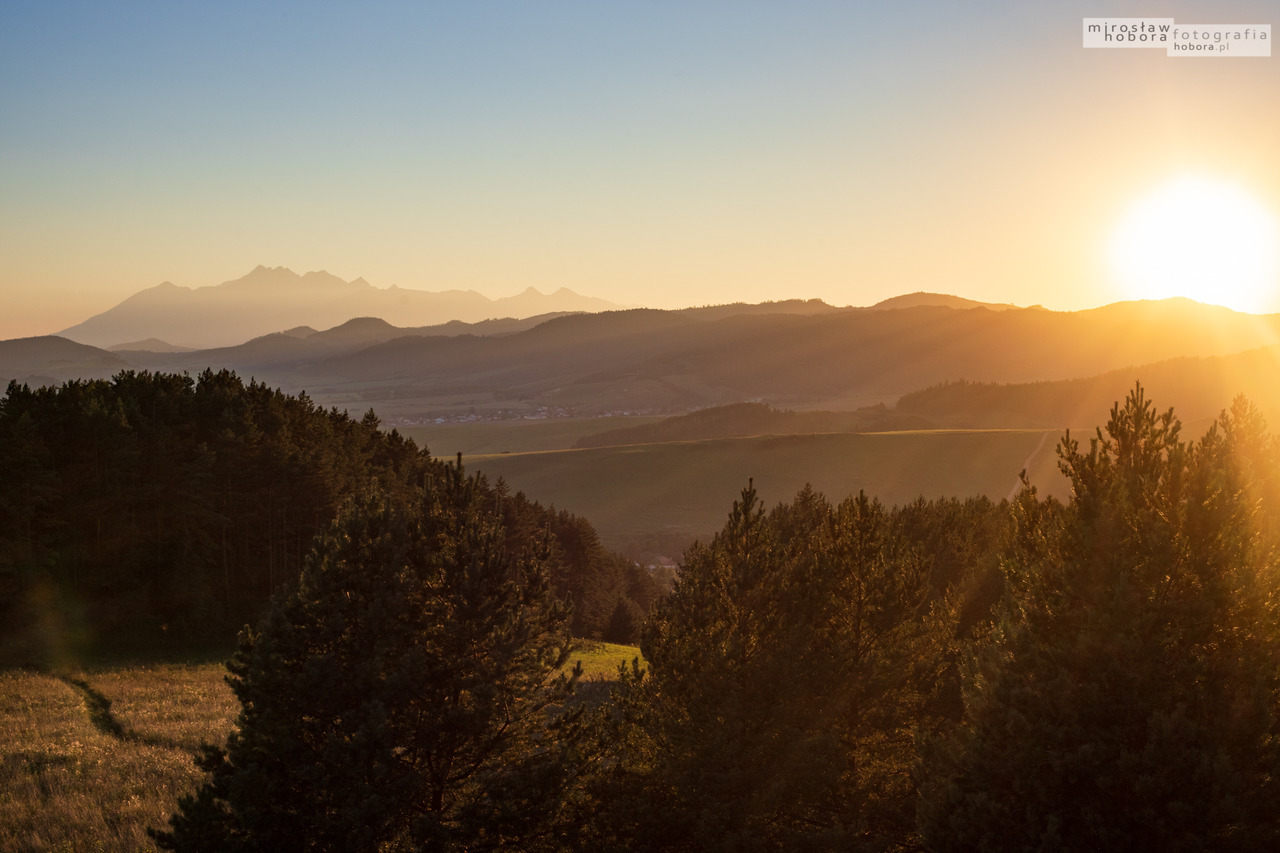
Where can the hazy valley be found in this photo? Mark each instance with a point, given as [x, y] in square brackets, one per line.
[570, 406]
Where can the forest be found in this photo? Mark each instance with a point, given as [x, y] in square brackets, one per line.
[163, 509]
[829, 673]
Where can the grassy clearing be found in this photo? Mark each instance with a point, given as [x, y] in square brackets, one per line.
[179, 707]
[600, 660]
[640, 495]
[516, 436]
[89, 760]
[71, 781]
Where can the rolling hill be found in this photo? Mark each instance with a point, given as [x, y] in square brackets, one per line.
[678, 361]
[1197, 388]
[50, 360]
[789, 393]
[795, 355]
[654, 500]
[746, 419]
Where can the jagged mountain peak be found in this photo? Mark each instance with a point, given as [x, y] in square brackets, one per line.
[268, 299]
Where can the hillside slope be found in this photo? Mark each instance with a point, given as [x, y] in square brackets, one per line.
[795, 355]
[51, 360]
[1197, 388]
[656, 499]
[656, 361]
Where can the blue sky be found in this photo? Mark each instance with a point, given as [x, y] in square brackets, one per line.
[661, 153]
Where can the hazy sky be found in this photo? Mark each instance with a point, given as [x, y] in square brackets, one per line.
[663, 153]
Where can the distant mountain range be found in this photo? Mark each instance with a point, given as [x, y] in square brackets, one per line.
[956, 363]
[267, 300]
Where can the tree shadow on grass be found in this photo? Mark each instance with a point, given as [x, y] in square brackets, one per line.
[100, 716]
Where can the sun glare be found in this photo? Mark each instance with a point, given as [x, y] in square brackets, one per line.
[1203, 239]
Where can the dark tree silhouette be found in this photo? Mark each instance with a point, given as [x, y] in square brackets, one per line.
[404, 697]
[787, 671]
[1128, 697]
[158, 510]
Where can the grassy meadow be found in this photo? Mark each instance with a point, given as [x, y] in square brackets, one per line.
[652, 499]
[90, 759]
[513, 436]
[600, 660]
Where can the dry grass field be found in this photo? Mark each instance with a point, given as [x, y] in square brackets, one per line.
[90, 759]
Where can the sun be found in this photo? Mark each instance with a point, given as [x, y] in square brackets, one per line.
[1204, 239]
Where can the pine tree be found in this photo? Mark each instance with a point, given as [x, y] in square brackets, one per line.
[1127, 698]
[403, 697]
[788, 670]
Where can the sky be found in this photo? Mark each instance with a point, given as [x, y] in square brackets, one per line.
[656, 153]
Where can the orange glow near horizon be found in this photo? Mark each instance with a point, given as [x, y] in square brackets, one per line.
[664, 155]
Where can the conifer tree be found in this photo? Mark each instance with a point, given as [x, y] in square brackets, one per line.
[404, 697]
[787, 671]
[1128, 696]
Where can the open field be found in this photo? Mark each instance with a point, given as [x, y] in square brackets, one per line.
[657, 498]
[89, 760]
[600, 660]
[513, 436]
